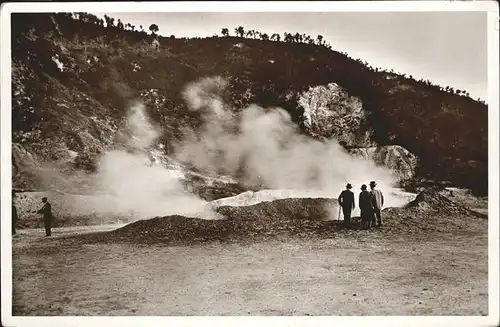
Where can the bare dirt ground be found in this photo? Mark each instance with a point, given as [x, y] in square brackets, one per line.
[369, 275]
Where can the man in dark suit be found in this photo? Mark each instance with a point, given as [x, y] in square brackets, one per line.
[365, 205]
[46, 211]
[346, 201]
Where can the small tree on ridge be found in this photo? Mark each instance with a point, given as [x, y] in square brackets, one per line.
[153, 28]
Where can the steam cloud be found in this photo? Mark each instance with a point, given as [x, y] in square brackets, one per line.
[265, 148]
[260, 146]
[132, 186]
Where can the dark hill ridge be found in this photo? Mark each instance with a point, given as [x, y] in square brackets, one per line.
[72, 80]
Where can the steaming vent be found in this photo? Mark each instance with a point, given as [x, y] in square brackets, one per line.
[262, 147]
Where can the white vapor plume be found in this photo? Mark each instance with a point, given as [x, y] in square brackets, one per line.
[131, 187]
[260, 146]
[142, 131]
[264, 147]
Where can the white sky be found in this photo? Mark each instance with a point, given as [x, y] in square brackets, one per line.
[448, 48]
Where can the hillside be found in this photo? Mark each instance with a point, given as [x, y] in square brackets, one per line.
[72, 80]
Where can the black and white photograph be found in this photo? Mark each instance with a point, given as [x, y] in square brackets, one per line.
[255, 159]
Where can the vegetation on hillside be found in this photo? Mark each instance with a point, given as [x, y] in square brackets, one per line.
[73, 75]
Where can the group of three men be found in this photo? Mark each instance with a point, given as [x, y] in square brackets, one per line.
[370, 204]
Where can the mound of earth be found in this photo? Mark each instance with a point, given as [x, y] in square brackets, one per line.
[316, 209]
[467, 198]
[433, 212]
[298, 217]
[432, 200]
[280, 218]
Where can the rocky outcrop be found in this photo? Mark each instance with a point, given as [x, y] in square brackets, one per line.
[329, 112]
[399, 160]
[24, 167]
[211, 188]
[21, 159]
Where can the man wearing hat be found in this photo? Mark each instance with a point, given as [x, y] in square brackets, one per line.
[377, 203]
[46, 211]
[346, 201]
[365, 205]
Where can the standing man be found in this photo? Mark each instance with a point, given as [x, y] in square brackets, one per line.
[46, 211]
[365, 205]
[377, 203]
[346, 201]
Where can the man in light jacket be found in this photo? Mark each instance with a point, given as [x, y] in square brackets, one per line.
[377, 203]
